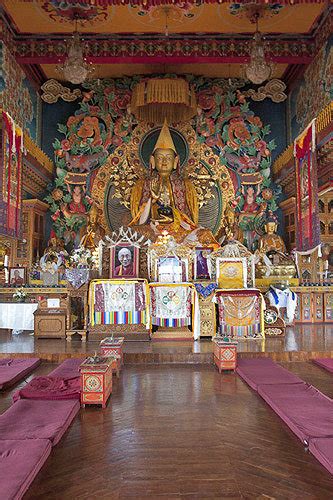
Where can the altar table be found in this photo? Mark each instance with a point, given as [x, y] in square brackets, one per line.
[17, 316]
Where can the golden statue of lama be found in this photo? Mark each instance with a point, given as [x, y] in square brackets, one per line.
[165, 200]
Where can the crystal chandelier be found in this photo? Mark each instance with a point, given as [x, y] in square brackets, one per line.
[258, 69]
[75, 67]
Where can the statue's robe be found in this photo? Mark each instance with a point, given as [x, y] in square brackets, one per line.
[184, 203]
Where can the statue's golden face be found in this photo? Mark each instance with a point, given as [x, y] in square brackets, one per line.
[165, 161]
[270, 227]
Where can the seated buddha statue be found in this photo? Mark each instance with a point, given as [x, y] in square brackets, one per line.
[165, 201]
[271, 241]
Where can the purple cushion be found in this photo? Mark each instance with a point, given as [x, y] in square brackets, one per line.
[256, 372]
[12, 370]
[20, 462]
[326, 363]
[50, 388]
[307, 411]
[322, 449]
[30, 419]
[68, 369]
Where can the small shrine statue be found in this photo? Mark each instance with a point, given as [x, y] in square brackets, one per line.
[76, 206]
[271, 241]
[94, 232]
[165, 200]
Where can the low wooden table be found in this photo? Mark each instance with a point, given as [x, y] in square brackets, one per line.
[111, 345]
[96, 380]
[225, 354]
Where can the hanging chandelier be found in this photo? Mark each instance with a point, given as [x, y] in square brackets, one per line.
[75, 68]
[258, 69]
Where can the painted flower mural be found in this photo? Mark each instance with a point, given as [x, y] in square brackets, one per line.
[104, 121]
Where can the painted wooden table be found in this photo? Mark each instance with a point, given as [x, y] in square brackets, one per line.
[96, 380]
[113, 346]
[225, 354]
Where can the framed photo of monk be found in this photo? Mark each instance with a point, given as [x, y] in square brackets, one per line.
[201, 267]
[124, 261]
[17, 276]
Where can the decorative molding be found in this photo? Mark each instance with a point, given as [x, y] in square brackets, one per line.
[37, 153]
[53, 90]
[274, 90]
[212, 49]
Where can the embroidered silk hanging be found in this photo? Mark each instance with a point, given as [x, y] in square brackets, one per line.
[240, 313]
[11, 178]
[118, 303]
[307, 217]
[171, 306]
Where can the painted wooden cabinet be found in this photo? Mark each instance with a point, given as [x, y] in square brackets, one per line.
[96, 380]
[314, 305]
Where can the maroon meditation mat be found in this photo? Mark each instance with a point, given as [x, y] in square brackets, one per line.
[326, 363]
[256, 372]
[68, 369]
[322, 449]
[307, 411]
[31, 419]
[12, 370]
[50, 388]
[20, 462]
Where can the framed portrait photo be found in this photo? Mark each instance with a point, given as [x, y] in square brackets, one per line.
[124, 261]
[201, 268]
[17, 276]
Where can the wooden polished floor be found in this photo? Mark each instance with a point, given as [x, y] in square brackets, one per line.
[182, 432]
[301, 343]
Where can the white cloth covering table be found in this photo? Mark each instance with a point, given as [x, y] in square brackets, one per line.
[17, 317]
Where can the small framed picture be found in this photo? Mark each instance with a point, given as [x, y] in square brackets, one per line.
[201, 268]
[17, 276]
[124, 261]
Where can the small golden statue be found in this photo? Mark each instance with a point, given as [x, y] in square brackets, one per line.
[272, 260]
[94, 232]
[271, 241]
[165, 200]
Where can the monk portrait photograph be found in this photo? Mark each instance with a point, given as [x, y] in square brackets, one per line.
[124, 261]
[17, 276]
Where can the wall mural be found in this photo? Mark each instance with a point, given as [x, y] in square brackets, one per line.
[103, 131]
[16, 94]
[315, 90]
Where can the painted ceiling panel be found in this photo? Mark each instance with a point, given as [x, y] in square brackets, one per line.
[44, 17]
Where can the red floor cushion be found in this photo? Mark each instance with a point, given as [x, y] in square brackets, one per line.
[307, 411]
[256, 372]
[12, 370]
[31, 419]
[50, 388]
[322, 449]
[326, 363]
[20, 462]
[68, 369]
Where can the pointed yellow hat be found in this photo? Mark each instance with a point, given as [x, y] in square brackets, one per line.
[164, 140]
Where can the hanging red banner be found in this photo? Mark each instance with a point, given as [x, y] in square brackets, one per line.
[307, 217]
[11, 178]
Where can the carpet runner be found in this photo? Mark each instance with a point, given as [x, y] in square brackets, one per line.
[306, 411]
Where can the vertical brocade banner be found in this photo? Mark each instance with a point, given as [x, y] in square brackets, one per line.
[11, 178]
[307, 217]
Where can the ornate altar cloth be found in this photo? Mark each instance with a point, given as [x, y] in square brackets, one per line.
[240, 313]
[175, 305]
[118, 302]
